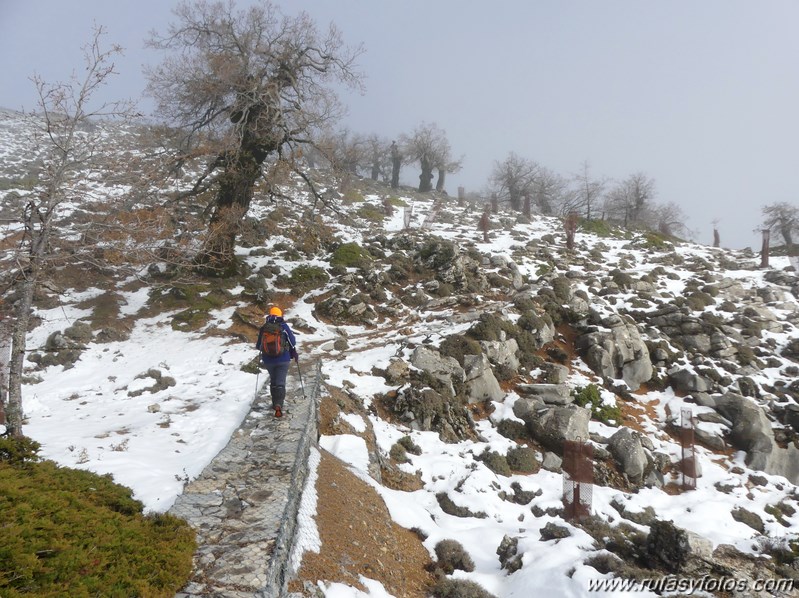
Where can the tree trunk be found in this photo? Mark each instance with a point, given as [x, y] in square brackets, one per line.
[375, 170]
[716, 238]
[764, 252]
[236, 187]
[426, 178]
[396, 164]
[5, 362]
[22, 314]
[787, 234]
[440, 182]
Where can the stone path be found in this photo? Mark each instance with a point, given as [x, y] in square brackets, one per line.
[244, 504]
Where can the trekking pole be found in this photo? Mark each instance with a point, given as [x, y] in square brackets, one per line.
[258, 375]
[302, 386]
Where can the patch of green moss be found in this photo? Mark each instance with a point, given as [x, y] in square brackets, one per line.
[304, 278]
[439, 252]
[352, 196]
[197, 300]
[600, 228]
[397, 202]
[589, 396]
[350, 255]
[653, 240]
[371, 213]
[68, 532]
[27, 183]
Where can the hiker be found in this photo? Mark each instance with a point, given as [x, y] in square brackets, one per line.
[278, 347]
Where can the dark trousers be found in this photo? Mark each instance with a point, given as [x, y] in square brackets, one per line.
[277, 381]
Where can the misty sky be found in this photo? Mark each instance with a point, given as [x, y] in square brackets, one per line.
[700, 96]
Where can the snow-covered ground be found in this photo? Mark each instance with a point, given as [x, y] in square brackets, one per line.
[108, 414]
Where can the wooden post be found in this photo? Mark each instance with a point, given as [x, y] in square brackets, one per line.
[716, 238]
[765, 250]
[484, 225]
[494, 203]
[461, 196]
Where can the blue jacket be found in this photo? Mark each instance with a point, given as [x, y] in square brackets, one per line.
[288, 334]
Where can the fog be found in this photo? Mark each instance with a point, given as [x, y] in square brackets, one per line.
[701, 97]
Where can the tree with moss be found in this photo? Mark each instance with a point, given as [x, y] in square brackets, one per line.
[245, 86]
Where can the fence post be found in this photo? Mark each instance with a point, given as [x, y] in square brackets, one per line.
[578, 478]
[688, 462]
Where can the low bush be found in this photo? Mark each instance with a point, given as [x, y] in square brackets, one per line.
[451, 555]
[68, 532]
[459, 588]
[589, 396]
[523, 459]
[495, 462]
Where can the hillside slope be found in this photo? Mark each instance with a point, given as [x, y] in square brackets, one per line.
[459, 369]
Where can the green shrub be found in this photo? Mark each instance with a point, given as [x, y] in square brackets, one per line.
[18, 452]
[523, 459]
[510, 428]
[459, 588]
[495, 462]
[589, 396]
[73, 533]
[457, 346]
[451, 555]
[350, 255]
[398, 453]
[409, 445]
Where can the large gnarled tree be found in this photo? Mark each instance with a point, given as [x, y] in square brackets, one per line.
[245, 85]
[428, 145]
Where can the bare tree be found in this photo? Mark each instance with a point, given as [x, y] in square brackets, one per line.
[586, 193]
[428, 146]
[514, 178]
[549, 191]
[68, 143]
[629, 200]
[782, 218]
[344, 151]
[378, 157]
[245, 85]
[668, 219]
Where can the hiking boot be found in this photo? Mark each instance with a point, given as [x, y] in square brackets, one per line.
[278, 411]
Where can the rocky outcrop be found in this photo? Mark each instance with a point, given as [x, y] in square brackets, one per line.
[551, 426]
[443, 368]
[481, 384]
[614, 349]
[752, 432]
[626, 448]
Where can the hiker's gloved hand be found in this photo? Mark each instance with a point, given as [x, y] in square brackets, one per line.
[293, 355]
